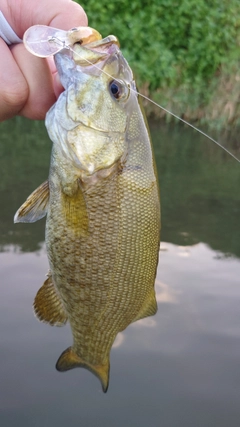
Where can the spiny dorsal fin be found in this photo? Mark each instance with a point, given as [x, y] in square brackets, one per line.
[35, 207]
[149, 308]
[47, 305]
[70, 360]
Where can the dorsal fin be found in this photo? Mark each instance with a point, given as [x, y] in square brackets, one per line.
[70, 360]
[36, 205]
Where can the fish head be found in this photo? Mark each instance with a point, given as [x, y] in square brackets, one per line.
[98, 101]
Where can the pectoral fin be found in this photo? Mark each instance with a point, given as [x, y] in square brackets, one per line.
[47, 305]
[35, 207]
[149, 308]
[70, 360]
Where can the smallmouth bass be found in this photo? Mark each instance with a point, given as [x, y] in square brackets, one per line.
[102, 206]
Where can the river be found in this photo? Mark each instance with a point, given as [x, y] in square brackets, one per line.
[178, 368]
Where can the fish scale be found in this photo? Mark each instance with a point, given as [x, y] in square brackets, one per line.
[102, 207]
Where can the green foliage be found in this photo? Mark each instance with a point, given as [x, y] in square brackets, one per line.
[169, 42]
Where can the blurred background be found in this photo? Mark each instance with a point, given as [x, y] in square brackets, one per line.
[185, 54]
[180, 367]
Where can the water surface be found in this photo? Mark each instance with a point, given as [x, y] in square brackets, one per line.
[178, 368]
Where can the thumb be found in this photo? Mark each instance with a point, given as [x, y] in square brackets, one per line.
[63, 14]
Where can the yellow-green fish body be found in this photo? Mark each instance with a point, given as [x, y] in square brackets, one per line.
[102, 204]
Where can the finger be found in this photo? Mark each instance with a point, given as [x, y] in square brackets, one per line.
[57, 86]
[51, 64]
[40, 84]
[69, 14]
[13, 87]
[63, 14]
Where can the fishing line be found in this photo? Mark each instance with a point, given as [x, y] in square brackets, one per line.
[156, 104]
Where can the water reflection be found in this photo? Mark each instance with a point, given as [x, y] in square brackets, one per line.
[179, 367]
[199, 197]
[186, 357]
[24, 163]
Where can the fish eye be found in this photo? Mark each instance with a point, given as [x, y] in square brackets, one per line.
[118, 90]
[114, 90]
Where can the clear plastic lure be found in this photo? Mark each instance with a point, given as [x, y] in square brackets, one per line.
[44, 41]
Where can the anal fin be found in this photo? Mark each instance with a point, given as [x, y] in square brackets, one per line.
[47, 305]
[70, 360]
[149, 307]
[36, 205]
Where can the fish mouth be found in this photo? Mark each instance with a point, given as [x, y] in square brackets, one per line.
[95, 51]
[88, 58]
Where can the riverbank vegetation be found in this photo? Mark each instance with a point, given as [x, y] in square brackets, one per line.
[185, 54]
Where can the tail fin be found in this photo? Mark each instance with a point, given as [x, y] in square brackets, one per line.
[70, 360]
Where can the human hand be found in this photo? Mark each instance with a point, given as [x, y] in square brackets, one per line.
[30, 85]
